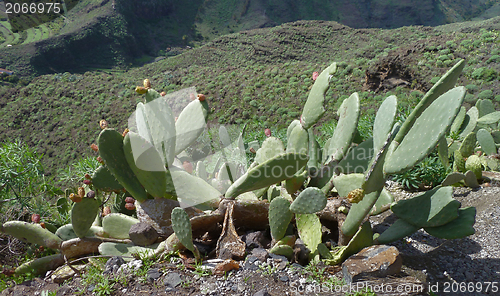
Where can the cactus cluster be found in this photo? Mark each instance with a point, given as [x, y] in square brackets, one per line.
[289, 182]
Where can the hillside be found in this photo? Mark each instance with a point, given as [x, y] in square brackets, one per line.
[103, 34]
[260, 76]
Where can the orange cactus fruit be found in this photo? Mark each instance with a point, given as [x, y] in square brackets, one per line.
[125, 132]
[42, 224]
[81, 192]
[75, 198]
[356, 195]
[100, 160]
[129, 199]
[141, 90]
[103, 124]
[163, 93]
[201, 97]
[106, 211]
[129, 206]
[146, 83]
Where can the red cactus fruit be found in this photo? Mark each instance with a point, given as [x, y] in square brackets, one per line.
[87, 182]
[35, 218]
[129, 199]
[187, 166]
[129, 206]
[88, 177]
[315, 75]
[94, 147]
[100, 160]
[267, 132]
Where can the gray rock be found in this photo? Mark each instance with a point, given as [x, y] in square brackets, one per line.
[153, 274]
[261, 254]
[113, 264]
[172, 279]
[143, 234]
[262, 292]
[255, 239]
[374, 261]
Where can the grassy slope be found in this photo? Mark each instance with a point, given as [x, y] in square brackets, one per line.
[261, 76]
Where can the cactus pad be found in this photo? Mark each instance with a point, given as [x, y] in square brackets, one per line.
[384, 120]
[275, 170]
[118, 225]
[468, 144]
[459, 120]
[358, 158]
[190, 124]
[102, 179]
[452, 179]
[461, 227]
[125, 250]
[428, 128]
[486, 141]
[396, 231]
[32, 233]
[271, 147]
[110, 144]
[309, 228]
[433, 208]
[83, 215]
[298, 141]
[309, 201]
[146, 163]
[470, 122]
[313, 109]
[182, 228]
[192, 190]
[40, 266]
[446, 82]
[471, 179]
[279, 217]
[345, 130]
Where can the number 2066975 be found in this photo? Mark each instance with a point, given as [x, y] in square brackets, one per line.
[32, 8]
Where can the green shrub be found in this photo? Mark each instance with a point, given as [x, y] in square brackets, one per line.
[435, 79]
[493, 59]
[485, 94]
[471, 88]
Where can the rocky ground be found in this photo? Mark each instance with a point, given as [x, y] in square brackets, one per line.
[469, 266]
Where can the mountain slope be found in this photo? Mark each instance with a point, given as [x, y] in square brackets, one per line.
[260, 76]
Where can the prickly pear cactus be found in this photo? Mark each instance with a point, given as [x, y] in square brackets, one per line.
[83, 215]
[473, 163]
[309, 201]
[313, 109]
[279, 217]
[309, 228]
[182, 228]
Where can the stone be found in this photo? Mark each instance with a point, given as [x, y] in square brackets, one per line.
[153, 274]
[132, 266]
[372, 262]
[261, 254]
[65, 272]
[172, 279]
[256, 239]
[262, 292]
[143, 234]
[113, 264]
